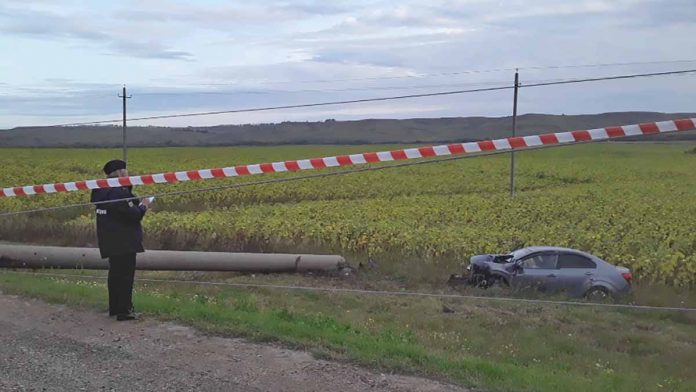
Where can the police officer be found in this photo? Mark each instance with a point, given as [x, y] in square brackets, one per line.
[120, 237]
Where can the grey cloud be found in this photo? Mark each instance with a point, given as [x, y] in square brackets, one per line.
[221, 18]
[151, 50]
[182, 14]
[655, 13]
[564, 15]
[82, 104]
[45, 25]
[296, 72]
[561, 32]
[381, 59]
[428, 16]
[382, 22]
[318, 7]
[501, 47]
[509, 14]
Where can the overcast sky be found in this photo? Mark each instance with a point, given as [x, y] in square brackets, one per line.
[65, 60]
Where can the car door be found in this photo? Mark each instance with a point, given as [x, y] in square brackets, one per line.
[537, 270]
[575, 273]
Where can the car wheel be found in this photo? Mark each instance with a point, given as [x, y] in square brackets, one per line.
[598, 294]
[478, 280]
[495, 282]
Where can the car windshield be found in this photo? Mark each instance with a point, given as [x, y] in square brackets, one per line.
[503, 258]
[520, 253]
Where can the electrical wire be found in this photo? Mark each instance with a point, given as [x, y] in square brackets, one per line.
[381, 88]
[420, 76]
[468, 72]
[379, 99]
[269, 108]
[378, 292]
[417, 76]
[465, 72]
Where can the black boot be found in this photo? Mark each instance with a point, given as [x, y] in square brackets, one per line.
[125, 316]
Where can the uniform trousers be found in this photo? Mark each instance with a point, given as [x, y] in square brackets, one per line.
[120, 283]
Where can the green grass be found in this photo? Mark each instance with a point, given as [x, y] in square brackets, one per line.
[494, 346]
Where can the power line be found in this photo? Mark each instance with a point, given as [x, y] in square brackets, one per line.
[467, 72]
[426, 75]
[269, 91]
[599, 65]
[376, 292]
[617, 77]
[391, 98]
[380, 88]
[330, 90]
[415, 76]
[297, 106]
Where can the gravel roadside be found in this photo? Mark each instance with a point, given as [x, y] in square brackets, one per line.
[46, 347]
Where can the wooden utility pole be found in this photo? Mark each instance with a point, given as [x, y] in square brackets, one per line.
[514, 131]
[125, 145]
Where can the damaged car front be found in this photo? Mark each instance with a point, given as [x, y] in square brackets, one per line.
[490, 270]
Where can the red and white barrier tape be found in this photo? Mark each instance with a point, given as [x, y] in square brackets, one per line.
[359, 159]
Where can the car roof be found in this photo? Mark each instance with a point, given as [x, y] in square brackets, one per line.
[533, 249]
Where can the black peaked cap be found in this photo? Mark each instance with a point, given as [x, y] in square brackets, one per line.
[114, 165]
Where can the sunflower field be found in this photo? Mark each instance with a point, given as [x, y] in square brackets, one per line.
[632, 204]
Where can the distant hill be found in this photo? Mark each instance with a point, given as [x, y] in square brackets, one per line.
[456, 129]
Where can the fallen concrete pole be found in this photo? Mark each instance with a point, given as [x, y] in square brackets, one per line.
[28, 256]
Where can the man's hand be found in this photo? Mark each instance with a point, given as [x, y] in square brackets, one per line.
[145, 202]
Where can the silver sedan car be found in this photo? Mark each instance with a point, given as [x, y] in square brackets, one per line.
[551, 269]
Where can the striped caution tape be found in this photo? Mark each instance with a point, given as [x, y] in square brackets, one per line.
[521, 142]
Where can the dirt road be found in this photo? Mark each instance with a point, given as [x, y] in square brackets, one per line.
[47, 347]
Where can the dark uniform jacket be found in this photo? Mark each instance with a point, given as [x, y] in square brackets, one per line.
[118, 224]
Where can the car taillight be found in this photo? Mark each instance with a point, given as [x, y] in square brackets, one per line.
[627, 276]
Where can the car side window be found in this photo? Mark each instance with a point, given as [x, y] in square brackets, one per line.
[567, 260]
[540, 261]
